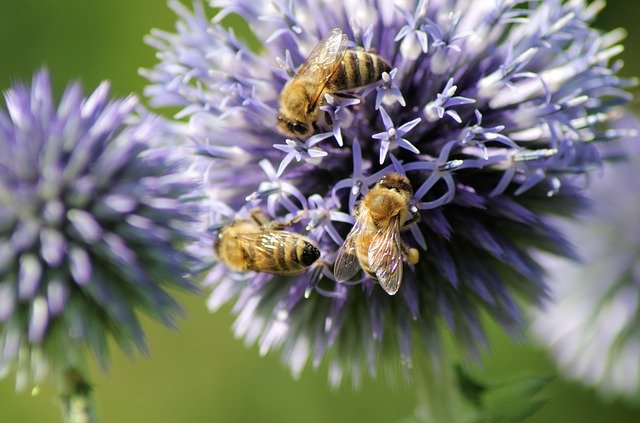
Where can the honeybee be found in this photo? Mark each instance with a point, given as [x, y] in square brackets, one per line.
[261, 245]
[330, 67]
[374, 242]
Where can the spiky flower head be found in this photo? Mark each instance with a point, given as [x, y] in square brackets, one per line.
[592, 324]
[90, 227]
[491, 109]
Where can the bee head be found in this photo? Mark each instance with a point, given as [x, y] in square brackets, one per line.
[397, 182]
[217, 232]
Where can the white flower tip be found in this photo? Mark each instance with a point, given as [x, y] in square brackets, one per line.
[410, 47]
[282, 315]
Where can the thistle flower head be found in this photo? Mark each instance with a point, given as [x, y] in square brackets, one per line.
[491, 109]
[90, 224]
[591, 326]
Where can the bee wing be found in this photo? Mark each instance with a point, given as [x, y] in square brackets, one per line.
[261, 243]
[323, 61]
[385, 257]
[347, 264]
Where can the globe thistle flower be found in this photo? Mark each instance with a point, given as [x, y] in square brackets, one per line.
[90, 226]
[492, 110]
[591, 326]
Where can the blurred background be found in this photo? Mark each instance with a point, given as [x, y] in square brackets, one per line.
[202, 373]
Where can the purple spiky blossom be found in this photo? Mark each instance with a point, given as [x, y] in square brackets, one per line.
[592, 325]
[501, 106]
[91, 225]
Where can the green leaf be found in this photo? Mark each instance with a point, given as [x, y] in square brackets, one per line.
[502, 402]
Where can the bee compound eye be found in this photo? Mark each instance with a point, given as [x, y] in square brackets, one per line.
[299, 128]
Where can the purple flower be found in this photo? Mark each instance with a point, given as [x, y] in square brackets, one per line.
[338, 112]
[389, 92]
[515, 95]
[436, 109]
[393, 137]
[299, 150]
[412, 36]
[591, 326]
[90, 225]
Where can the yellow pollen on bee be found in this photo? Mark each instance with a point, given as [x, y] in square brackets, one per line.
[413, 255]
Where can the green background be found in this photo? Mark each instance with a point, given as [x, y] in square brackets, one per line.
[201, 373]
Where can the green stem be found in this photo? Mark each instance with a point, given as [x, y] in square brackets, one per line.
[75, 398]
[439, 398]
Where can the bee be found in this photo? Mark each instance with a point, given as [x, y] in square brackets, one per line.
[261, 245]
[330, 68]
[374, 242]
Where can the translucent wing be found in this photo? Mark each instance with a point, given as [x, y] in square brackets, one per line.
[323, 61]
[347, 263]
[385, 257]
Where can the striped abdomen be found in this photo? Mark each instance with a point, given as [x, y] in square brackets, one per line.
[281, 252]
[358, 68]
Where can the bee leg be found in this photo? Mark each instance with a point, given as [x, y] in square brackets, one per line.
[259, 217]
[278, 225]
[415, 217]
[412, 255]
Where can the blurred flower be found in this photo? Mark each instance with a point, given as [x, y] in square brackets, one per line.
[592, 326]
[90, 225]
[497, 107]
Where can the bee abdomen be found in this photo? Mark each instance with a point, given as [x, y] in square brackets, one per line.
[307, 253]
[358, 68]
[295, 255]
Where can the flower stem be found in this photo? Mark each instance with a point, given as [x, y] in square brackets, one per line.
[75, 398]
[439, 397]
